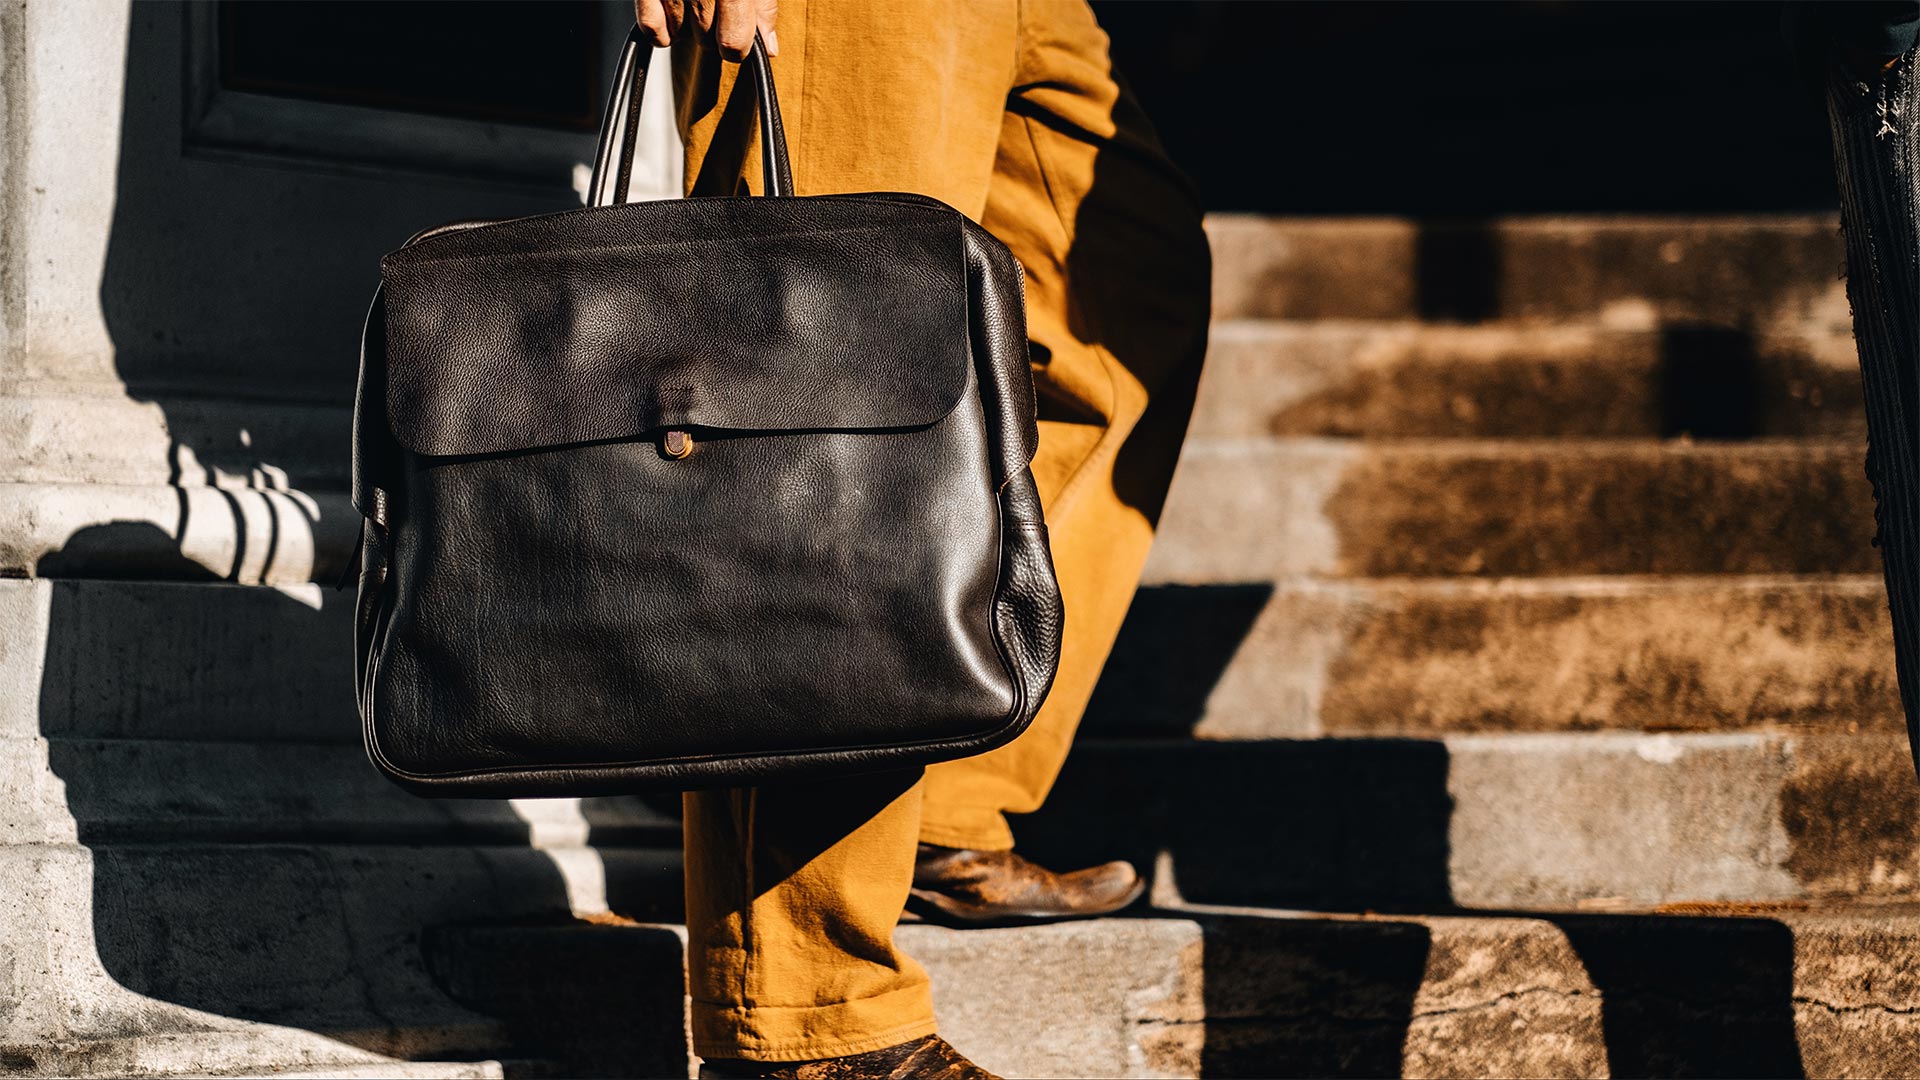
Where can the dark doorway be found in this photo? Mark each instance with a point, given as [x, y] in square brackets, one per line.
[1459, 109]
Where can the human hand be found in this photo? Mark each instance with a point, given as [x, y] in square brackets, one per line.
[730, 22]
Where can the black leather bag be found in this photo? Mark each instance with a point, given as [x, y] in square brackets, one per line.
[697, 493]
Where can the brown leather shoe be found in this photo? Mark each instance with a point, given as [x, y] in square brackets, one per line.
[971, 888]
[929, 1058]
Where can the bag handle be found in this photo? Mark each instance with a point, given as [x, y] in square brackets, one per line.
[620, 122]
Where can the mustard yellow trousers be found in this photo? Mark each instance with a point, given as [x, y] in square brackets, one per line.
[1007, 110]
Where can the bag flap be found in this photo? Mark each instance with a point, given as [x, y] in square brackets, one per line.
[745, 314]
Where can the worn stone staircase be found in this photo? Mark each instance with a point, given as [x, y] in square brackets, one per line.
[1511, 695]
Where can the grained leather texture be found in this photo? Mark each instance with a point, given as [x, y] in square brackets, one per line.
[849, 572]
[1028, 615]
[744, 314]
[849, 569]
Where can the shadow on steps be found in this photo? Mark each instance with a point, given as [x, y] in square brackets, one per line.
[324, 933]
[238, 860]
[1658, 996]
[595, 1000]
[1325, 825]
[1181, 993]
[1173, 649]
[1363, 825]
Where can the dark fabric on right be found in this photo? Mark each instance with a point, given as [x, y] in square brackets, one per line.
[1869, 27]
[1876, 136]
[1818, 31]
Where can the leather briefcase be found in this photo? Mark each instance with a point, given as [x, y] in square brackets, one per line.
[696, 493]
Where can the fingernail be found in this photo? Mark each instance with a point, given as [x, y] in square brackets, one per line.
[773, 43]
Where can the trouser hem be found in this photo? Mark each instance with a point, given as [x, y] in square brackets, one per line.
[809, 1033]
[981, 829]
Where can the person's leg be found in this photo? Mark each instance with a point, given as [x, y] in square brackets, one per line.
[1876, 131]
[792, 896]
[902, 95]
[1118, 288]
[793, 891]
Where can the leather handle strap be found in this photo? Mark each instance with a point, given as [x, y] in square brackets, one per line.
[620, 123]
[776, 172]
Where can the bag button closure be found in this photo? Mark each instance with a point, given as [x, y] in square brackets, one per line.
[676, 444]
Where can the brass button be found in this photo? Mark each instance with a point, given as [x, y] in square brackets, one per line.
[676, 444]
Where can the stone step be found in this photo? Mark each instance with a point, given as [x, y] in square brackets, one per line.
[1735, 990]
[1726, 990]
[1529, 994]
[104, 486]
[395, 1069]
[1478, 820]
[171, 959]
[1302, 657]
[1767, 275]
[165, 790]
[1240, 509]
[1513, 380]
[108, 438]
[1739, 271]
[251, 522]
[212, 663]
[130, 659]
[1330, 377]
[252, 536]
[285, 1054]
[1495, 820]
[1262, 509]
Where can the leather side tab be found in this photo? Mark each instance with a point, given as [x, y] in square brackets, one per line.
[996, 287]
[375, 454]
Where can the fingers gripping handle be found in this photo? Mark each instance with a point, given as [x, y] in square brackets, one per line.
[620, 123]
